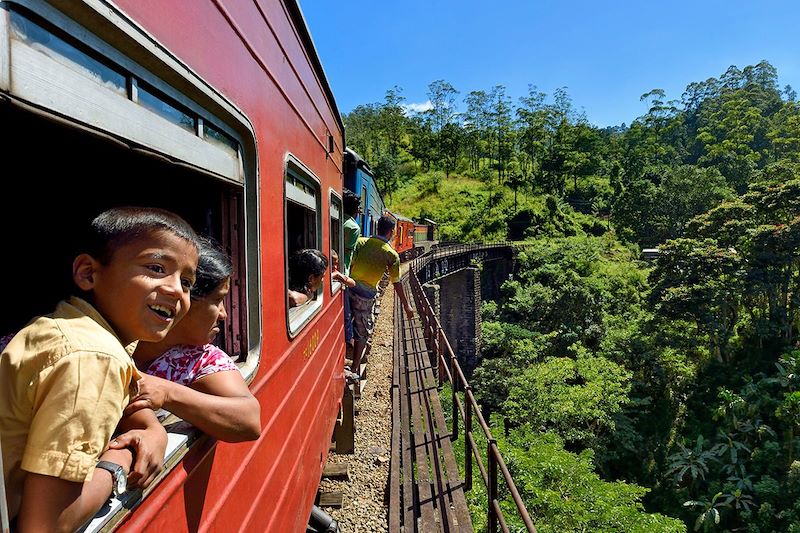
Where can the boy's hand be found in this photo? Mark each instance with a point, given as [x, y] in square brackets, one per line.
[149, 446]
[409, 312]
[153, 394]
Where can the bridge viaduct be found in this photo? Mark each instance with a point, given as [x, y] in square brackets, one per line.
[456, 280]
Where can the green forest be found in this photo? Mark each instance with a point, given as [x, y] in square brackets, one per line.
[627, 394]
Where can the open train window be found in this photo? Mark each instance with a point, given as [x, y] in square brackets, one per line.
[302, 231]
[91, 129]
[365, 209]
[336, 236]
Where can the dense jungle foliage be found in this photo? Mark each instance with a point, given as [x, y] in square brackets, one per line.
[629, 395]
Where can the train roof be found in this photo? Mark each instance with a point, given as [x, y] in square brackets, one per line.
[357, 160]
[429, 221]
[305, 36]
[399, 217]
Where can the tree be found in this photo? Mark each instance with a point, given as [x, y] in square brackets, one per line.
[562, 491]
[690, 464]
[577, 399]
[532, 119]
[451, 139]
[709, 515]
[477, 121]
[699, 281]
[502, 129]
[443, 104]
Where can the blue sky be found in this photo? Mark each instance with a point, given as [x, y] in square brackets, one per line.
[607, 53]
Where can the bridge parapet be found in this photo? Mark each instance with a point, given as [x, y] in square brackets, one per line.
[457, 278]
[445, 260]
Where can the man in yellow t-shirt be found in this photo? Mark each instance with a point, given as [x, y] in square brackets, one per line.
[65, 378]
[372, 258]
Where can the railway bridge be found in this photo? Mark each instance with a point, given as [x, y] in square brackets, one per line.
[456, 279]
[427, 486]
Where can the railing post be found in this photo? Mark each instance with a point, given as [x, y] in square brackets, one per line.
[492, 488]
[439, 358]
[467, 433]
[435, 362]
[455, 415]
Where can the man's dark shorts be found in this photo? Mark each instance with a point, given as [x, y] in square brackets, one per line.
[361, 302]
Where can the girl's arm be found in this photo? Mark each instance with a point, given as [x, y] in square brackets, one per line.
[219, 404]
[297, 298]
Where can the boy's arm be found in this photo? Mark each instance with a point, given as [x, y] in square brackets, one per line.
[143, 434]
[53, 504]
[66, 437]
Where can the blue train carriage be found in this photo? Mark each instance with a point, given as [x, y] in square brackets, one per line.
[358, 177]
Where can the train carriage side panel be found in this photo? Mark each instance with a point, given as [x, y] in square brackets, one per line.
[299, 381]
[248, 59]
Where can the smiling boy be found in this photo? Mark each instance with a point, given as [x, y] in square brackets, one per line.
[66, 377]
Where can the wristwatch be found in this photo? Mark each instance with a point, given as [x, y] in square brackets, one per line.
[119, 479]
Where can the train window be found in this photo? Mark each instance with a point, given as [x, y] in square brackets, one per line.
[365, 209]
[37, 38]
[160, 104]
[302, 231]
[126, 101]
[336, 235]
[219, 138]
[93, 129]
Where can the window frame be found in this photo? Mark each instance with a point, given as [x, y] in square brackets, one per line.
[110, 111]
[334, 197]
[297, 318]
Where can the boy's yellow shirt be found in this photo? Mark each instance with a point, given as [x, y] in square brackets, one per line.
[64, 380]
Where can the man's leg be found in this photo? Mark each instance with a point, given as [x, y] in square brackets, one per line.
[361, 310]
[348, 325]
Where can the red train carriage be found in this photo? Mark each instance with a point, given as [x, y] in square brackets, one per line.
[220, 111]
[426, 236]
[403, 241]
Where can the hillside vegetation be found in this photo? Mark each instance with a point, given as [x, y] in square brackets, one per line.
[631, 396]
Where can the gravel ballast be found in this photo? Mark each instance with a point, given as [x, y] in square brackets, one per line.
[364, 508]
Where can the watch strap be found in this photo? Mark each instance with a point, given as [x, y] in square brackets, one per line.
[111, 467]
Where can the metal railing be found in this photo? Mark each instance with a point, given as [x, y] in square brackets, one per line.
[438, 344]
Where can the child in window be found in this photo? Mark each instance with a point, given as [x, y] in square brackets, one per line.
[306, 270]
[70, 374]
[336, 275]
[189, 376]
